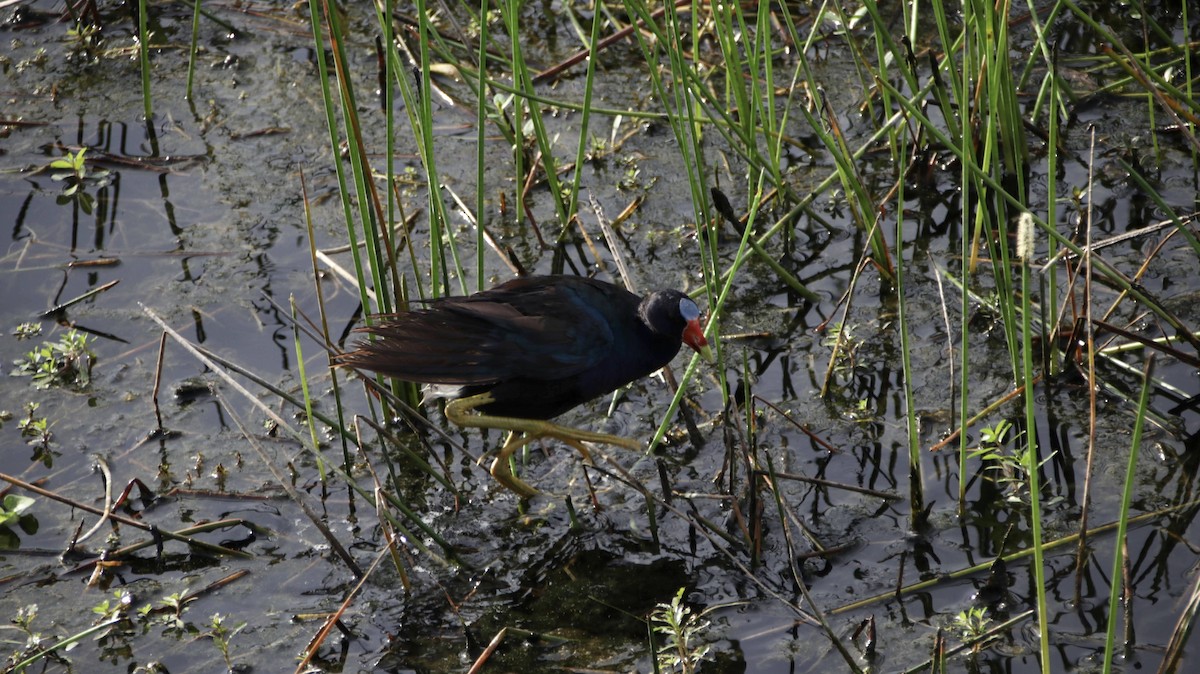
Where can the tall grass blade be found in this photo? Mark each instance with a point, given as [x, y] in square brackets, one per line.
[915, 473]
[1116, 591]
[144, 61]
[1025, 240]
[191, 70]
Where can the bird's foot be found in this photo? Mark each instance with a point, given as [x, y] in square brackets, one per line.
[523, 431]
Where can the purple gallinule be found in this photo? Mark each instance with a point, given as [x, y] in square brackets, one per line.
[530, 349]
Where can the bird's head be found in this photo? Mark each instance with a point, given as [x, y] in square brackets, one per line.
[671, 313]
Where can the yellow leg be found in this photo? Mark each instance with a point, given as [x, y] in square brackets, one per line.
[501, 469]
[461, 412]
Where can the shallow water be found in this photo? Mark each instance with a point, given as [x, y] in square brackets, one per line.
[201, 221]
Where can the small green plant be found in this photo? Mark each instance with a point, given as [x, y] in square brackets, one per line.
[995, 436]
[972, 625]
[115, 626]
[84, 41]
[23, 621]
[67, 362]
[27, 331]
[76, 169]
[72, 169]
[39, 59]
[992, 442]
[632, 179]
[35, 642]
[173, 607]
[24, 618]
[13, 507]
[37, 434]
[1007, 463]
[117, 607]
[1004, 463]
[221, 635]
[13, 512]
[680, 628]
[840, 338]
[597, 148]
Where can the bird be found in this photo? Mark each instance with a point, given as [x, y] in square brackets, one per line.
[528, 350]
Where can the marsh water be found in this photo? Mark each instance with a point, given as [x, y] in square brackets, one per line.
[198, 216]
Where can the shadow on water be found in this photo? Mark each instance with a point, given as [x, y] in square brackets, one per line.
[198, 216]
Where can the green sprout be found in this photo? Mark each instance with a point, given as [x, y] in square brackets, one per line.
[71, 168]
[67, 362]
[221, 636]
[73, 171]
[27, 331]
[681, 628]
[1006, 463]
[37, 434]
[12, 509]
[973, 625]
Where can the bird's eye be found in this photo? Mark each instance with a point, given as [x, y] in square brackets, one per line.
[688, 310]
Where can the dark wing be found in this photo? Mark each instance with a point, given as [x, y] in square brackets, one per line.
[529, 328]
